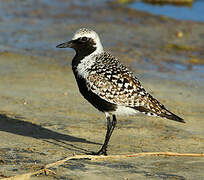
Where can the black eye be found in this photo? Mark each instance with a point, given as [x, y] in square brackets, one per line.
[84, 39]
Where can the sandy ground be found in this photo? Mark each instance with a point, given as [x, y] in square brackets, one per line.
[43, 118]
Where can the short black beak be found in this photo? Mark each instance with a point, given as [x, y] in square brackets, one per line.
[68, 44]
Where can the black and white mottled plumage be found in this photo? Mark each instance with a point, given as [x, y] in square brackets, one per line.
[108, 85]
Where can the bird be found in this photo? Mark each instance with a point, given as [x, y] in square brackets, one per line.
[109, 85]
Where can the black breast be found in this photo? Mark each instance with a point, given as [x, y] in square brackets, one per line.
[94, 99]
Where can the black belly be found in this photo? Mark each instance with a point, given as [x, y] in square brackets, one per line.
[95, 100]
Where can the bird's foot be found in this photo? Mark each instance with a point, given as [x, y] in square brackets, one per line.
[99, 153]
[102, 151]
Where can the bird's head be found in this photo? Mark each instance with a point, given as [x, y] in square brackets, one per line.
[84, 41]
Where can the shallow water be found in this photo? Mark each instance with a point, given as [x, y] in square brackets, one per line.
[36, 28]
[193, 13]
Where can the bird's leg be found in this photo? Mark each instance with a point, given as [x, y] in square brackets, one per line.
[110, 127]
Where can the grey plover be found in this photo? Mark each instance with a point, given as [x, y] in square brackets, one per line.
[108, 85]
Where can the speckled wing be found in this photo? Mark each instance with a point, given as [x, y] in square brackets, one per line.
[113, 82]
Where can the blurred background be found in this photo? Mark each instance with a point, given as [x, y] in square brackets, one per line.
[178, 9]
[129, 28]
[42, 116]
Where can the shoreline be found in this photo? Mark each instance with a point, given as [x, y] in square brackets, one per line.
[43, 117]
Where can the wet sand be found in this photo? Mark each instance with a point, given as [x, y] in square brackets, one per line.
[43, 118]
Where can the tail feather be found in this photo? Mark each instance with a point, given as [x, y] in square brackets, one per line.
[167, 114]
[172, 116]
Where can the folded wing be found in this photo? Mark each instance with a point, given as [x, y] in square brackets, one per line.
[117, 85]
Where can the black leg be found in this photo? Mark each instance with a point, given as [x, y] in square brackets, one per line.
[110, 127]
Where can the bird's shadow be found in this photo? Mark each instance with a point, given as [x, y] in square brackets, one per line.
[24, 128]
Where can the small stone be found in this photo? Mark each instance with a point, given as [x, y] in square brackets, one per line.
[65, 93]
[179, 34]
